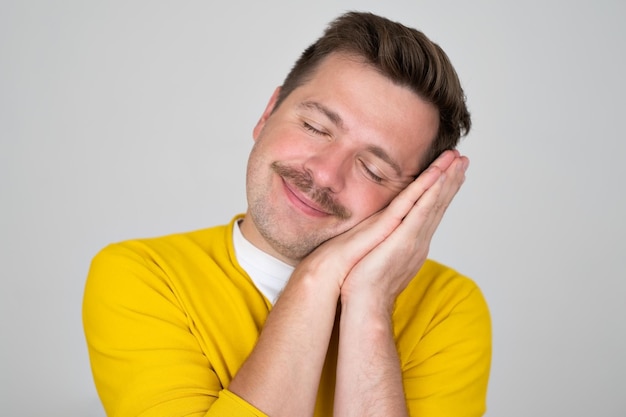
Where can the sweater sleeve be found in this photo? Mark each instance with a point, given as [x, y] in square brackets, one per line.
[144, 357]
[447, 370]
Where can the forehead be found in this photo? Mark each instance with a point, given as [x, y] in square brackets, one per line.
[370, 108]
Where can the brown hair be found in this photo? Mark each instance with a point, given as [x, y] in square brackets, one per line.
[404, 55]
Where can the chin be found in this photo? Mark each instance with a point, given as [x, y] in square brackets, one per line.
[295, 247]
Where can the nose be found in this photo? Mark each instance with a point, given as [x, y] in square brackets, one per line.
[329, 167]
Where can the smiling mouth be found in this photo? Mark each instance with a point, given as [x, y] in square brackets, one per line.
[314, 200]
[302, 198]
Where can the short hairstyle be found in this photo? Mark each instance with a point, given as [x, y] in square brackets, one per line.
[404, 55]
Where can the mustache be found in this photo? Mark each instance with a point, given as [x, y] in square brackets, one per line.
[304, 182]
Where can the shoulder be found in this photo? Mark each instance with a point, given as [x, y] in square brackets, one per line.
[133, 268]
[443, 334]
[441, 297]
[165, 252]
[436, 281]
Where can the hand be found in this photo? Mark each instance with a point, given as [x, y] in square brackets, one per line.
[401, 233]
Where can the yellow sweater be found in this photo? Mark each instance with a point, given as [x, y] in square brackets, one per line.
[170, 320]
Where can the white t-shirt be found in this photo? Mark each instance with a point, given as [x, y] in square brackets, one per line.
[270, 275]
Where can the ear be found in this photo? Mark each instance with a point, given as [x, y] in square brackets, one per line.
[266, 114]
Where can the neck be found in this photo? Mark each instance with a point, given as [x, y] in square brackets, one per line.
[252, 235]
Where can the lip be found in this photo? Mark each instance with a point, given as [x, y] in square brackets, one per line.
[302, 202]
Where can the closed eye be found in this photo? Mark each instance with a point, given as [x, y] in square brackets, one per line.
[313, 130]
[370, 173]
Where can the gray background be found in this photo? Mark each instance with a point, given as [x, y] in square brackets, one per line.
[130, 119]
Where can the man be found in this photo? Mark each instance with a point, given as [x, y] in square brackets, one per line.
[319, 300]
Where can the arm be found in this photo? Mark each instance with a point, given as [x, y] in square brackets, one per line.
[282, 374]
[369, 379]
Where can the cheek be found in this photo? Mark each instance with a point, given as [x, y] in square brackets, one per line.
[284, 144]
[368, 199]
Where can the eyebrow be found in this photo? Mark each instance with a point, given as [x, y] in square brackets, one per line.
[332, 115]
[338, 121]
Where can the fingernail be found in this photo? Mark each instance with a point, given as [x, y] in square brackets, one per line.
[463, 164]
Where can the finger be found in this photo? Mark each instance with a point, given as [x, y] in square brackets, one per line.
[410, 241]
[412, 238]
[407, 197]
[454, 179]
[372, 231]
[423, 219]
[405, 201]
[369, 233]
[446, 158]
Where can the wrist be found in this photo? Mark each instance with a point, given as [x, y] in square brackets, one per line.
[367, 310]
[370, 302]
[312, 284]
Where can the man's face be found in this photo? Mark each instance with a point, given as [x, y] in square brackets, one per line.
[336, 151]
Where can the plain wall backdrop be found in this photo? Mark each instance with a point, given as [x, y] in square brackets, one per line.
[134, 119]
